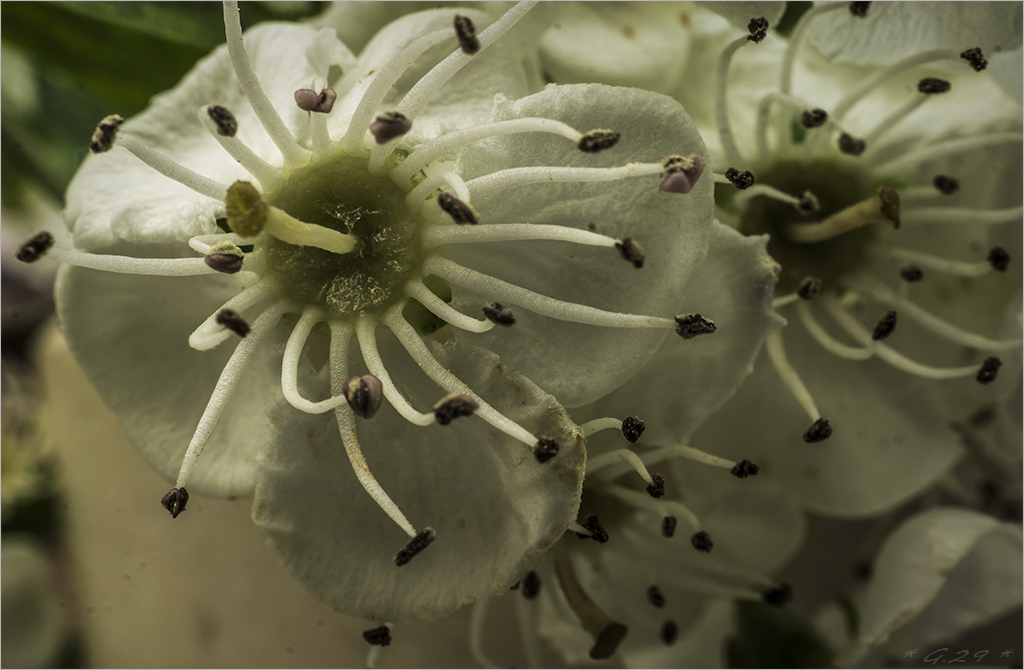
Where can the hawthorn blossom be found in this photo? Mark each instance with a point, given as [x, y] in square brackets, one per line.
[412, 203]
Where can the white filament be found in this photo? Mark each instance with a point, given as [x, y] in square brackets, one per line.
[946, 148]
[434, 236]
[513, 177]
[789, 376]
[597, 425]
[416, 198]
[945, 266]
[415, 288]
[210, 333]
[732, 152]
[365, 327]
[292, 353]
[165, 267]
[165, 166]
[266, 174]
[961, 215]
[829, 343]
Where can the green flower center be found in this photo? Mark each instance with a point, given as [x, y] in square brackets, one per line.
[836, 186]
[341, 195]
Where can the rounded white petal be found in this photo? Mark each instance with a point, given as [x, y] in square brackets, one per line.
[579, 363]
[494, 508]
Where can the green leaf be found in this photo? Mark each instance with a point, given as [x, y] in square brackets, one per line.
[773, 637]
[195, 24]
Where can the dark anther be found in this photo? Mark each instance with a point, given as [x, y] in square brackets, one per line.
[598, 532]
[454, 406]
[681, 173]
[885, 326]
[631, 251]
[499, 314]
[984, 416]
[545, 450]
[106, 132]
[656, 597]
[819, 431]
[466, 32]
[701, 541]
[364, 395]
[309, 100]
[809, 288]
[378, 637]
[947, 185]
[669, 632]
[778, 595]
[632, 428]
[596, 140]
[999, 259]
[388, 126]
[850, 145]
[861, 571]
[35, 248]
[808, 203]
[668, 526]
[415, 546]
[813, 118]
[859, 9]
[744, 469]
[932, 85]
[657, 488]
[911, 273]
[227, 124]
[989, 370]
[608, 640]
[229, 264]
[975, 58]
[741, 180]
[459, 211]
[531, 585]
[689, 326]
[175, 500]
[231, 320]
[758, 29]
[890, 205]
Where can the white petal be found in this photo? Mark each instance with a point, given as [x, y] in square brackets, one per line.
[115, 196]
[674, 230]
[130, 335]
[894, 30]
[686, 381]
[493, 506]
[939, 574]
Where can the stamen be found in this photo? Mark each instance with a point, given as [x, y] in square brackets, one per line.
[682, 173]
[669, 633]
[947, 185]
[813, 118]
[741, 180]
[231, 320]
[416, 289]
[918, 259]
[975, 59]
[225, 257]
[322, 143]
[522, 176]
[827, 342]
[499, 314]
[632, 428]
[341, 333]
[105, 134]
[175, 500]
[389, 126]
[293, 154]
[531, 585]
[689, 326]
[805, 204]
[378, 637]
[884, 327]
[35, 248]
[598, 140]
[466, 32]
[365, 327]
[545, 450]
[809, 288]
[657, 489]
[159, 162]
[224, 122]
[416, 545]
[209, 333]
[989, 370]
[859, 9]
[290, 363]
[926, 86]
[580, 531]
[701, 541]
[819, 431]
[911, 274]
[594, 530]
[655, 596]
[668, 526]
[597, 425]
[460, 211]
[364, 395]
[789, 376]
[631, 251]
[417, 199]
[778, 595]
[535, 302]
[599, 462]
[889, 355]
[758, 31]
[663, 507]
[441, 376]
[796, 39]
[610, 467]
[963, 215]
[884, 206]
[850, 145]
[309, 100]
[745, 468]
[226, 384]
[607, 634]
[454, 406]
[933, 86]
[999, 259]
[876, 291]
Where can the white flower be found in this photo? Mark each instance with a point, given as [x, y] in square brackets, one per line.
[365, 168]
